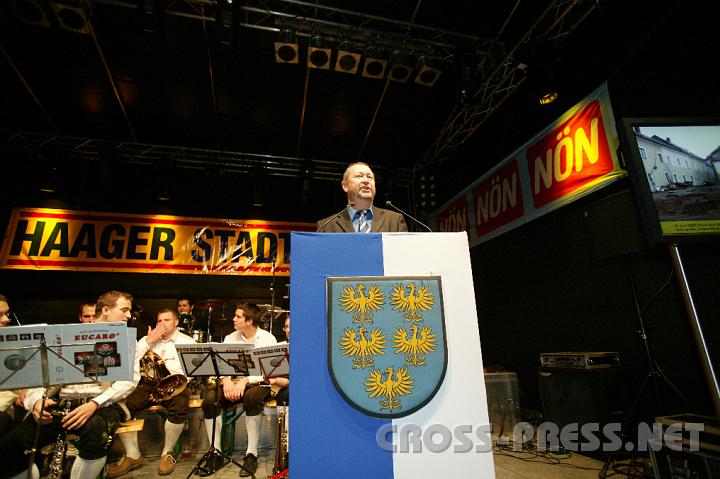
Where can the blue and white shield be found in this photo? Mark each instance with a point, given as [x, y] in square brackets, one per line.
[386, 342]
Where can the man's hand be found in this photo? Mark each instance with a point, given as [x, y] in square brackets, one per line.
[280, 382]
[46, 416]
[234, 391]
[20, 400]
[77, 418]
[154, 335]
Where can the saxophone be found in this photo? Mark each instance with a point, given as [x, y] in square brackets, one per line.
[58, 458]
[281, 448]
[56, 464]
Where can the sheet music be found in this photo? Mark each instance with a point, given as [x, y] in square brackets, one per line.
[273, 361]
[235, 359]
[77, 353]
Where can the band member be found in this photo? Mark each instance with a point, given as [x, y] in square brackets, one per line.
[282, 385]
[94, 421]
[161, 340]
[185, 306]
[245, 389]
[87, 313]
[186, 315]
[8, 399]
[4, 310]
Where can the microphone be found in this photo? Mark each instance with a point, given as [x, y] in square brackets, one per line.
[332, 218]
[389, 203]
[15, 317]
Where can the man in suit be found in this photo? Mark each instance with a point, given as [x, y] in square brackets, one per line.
[361, 216]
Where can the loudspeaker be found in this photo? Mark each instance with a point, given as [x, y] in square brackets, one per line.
[583, 396]
[614, 228]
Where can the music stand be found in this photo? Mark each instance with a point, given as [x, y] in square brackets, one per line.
[33, 338]
[204, 360]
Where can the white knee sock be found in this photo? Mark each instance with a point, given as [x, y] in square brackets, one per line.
[130, 443]
[87, 468]
[253, 423]
[218, 431]
[23, 475]
[172, 434]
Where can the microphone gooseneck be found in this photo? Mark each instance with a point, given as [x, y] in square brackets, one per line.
[389, 203]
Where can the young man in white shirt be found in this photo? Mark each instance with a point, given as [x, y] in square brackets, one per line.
[94, 421]
[161, 340]
[241, 389]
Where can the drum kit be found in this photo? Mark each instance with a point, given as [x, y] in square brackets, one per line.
[206, 323]
[271, 319]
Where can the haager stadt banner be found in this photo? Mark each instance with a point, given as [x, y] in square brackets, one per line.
[41, 238]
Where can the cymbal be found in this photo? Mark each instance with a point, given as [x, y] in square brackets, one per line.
[277, 310]
[211, 303]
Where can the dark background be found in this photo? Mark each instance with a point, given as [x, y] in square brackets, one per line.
[560, 283]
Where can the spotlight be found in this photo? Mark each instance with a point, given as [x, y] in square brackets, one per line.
[32, 12]
[428, 71]
[547, 88]
[347, 60]
[286, 47]
[401, 66]
[48, 184]
[163, 193]
[318, 53]
[374, 63]
[548, 97]
[73, 19]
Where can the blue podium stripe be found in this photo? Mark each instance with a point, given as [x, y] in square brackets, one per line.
[327, 436]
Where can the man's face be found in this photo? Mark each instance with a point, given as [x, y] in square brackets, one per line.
[4, 309]
[239, 321]
[170, 322]
[184, 306]
[286, 328]
[88, 314]
[359, 184]
[120, 313]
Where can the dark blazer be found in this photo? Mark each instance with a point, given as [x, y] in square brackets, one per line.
[384, 221]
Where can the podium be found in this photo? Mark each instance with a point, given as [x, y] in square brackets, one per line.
[331, 436]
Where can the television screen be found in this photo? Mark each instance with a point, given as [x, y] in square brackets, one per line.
[674, 165]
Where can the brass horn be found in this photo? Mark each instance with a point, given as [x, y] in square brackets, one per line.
[154, 372]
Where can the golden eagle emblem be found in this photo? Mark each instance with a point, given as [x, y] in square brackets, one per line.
[389, 389]
[362, 348]
[413, 301]
[415, 347]
[361, 305]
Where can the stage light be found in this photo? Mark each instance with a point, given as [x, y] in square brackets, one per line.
[286, 47]
[548, 98]
[318, 53]
[347, 60]
[31, 12]
[375, 64]
[71, 18]
[400, 66]
[428, 71]
[548, 91]
[163, 192]
[49, 182]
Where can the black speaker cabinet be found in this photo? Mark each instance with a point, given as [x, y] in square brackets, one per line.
[613, 227]
[582, 396]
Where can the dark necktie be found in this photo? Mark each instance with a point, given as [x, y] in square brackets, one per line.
[363, 223]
